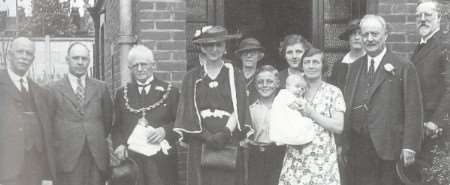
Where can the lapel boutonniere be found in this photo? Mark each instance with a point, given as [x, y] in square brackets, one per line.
[159, 88]
[389, 68]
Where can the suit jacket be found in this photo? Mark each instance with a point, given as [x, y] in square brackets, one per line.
[161, 116]
[395, 106]
[433, 66]
[76, 125]
[12, 146]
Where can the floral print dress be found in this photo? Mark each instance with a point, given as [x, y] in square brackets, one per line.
[316, 163]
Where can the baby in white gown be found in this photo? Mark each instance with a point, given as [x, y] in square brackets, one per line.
[287, 124]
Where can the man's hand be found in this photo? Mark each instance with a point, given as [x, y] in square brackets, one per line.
[408, 157]
[121, 152]
[156, 136]
[432, 130]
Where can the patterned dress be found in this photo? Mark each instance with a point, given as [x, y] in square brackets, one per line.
[316, 163]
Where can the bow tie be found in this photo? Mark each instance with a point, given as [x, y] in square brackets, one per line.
[143, 85]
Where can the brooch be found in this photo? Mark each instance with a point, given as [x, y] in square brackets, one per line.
[213, 84]
[159, 88]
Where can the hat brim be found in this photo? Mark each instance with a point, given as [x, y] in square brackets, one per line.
[415, 168]
[346, 34]
[216, 39]
[249, 49]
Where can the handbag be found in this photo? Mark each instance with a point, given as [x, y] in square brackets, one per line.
[224, 158]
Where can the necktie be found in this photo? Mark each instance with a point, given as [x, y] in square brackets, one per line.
[23, 90]
[80, 91]
[371, 71]
[420, 46]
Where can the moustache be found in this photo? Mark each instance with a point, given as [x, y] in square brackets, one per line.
[423, 24]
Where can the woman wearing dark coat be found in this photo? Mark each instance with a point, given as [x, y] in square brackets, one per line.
[213, 111]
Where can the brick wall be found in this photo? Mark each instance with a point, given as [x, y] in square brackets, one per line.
[161, 26]
[400, 15]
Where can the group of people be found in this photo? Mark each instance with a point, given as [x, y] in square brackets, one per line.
[377, 115]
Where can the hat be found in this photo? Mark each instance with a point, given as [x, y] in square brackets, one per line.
[249, 44]
[352, 26]
[211, 34]
[412, 174]
[127, 172]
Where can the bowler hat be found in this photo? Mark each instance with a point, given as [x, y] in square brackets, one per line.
[211, 34]
[249, 44]
[412, 174]
[352, 26]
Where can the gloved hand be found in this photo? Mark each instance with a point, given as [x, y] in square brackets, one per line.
[219, 139]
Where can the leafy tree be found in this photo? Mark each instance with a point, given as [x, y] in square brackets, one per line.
[49, 17]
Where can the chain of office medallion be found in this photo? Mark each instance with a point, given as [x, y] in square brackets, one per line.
[150, 107]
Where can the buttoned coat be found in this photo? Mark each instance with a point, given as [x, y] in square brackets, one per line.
[433, 66]
[12, 142]
[76, 125]
[394, 106]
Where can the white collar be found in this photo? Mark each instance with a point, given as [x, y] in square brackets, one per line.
[16, 79]
[148, 81]
[73, 80]
[348, 60]
[377, 59]
[425, 40]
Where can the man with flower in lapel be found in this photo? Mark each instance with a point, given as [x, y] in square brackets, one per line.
[82, 119]
[151, 104]
[26, 148]
[432, 60]
[384, 120]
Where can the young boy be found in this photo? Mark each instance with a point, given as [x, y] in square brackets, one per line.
[287, 124]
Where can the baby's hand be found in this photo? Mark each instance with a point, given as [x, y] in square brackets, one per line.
[296, 105]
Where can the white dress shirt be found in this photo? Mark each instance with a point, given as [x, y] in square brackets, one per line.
[73, 80]
[146, 88]
[377, 60]
[16, 79]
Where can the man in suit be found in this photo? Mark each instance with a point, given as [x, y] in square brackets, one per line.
[152, 103]
[431, 58]
[82, 118]
[26, 149]
[384, 117]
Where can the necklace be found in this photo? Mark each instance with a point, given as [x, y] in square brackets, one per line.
[143, 121]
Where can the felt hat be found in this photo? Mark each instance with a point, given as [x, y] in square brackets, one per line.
[249, 44]
[352, 26]
[412, 174]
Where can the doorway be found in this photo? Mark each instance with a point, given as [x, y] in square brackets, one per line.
[268, 22]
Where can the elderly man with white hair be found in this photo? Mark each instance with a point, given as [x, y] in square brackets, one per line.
[150, 104]
[384, 121]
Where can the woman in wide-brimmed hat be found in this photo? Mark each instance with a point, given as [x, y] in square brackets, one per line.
[213, 113]
[352, 34]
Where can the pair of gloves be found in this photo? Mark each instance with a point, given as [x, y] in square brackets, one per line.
[217, 140]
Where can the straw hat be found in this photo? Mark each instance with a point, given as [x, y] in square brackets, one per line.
[212, 34]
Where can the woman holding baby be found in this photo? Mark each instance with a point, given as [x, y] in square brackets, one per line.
[315, 163]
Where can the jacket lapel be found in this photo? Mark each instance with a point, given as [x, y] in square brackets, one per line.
[90, 90]
[67, 90]
[381, 74]
[430, 45]
[359, 66]
[10, 88]
[155, 92]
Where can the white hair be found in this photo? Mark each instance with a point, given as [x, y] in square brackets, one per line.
[140, 51]
[376, 17]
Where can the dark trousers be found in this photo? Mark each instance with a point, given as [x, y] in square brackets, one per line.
[159, 169]
[365, 167]
[33, 170]
[264, 164]
[84, 173]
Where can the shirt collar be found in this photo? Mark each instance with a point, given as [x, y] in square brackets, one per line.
[147, 82]
[74, 79]
[16, 78]
[377, 59]
[425, 40]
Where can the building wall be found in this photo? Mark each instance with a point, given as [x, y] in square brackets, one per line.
[111, 49]
[400, 15]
